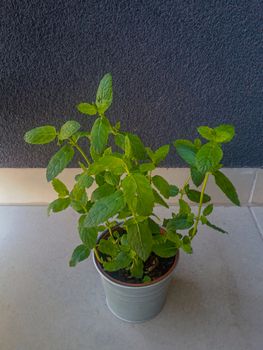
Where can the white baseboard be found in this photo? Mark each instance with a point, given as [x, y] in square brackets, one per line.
[29, 186]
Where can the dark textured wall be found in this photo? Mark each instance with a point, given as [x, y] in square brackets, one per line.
[175, 64]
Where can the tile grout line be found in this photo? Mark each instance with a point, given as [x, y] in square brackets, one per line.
[254, 218]
[250, 200]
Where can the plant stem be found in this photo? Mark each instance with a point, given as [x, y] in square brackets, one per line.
[185, 184]
[97, 255]
[200, 204]
[81, 152]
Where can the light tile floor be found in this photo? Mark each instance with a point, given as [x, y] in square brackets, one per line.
[215, 301]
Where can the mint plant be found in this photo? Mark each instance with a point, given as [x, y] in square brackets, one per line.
[127, 191]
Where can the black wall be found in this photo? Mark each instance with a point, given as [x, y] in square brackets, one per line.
[176, 65]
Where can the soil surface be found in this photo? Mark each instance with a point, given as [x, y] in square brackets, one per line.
[154, 267]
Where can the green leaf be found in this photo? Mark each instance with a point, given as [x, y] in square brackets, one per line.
[184, 207]
[41, 135]
[107, 163]
[209, 224]
[174, 190]
[107, 246]
[58, 205]
[159, 155]
[80, 134]
[208, 157]
[146, 279]
[138, 150]
[186, 150]
[196, 176]
[165, 250]
[145, 167]
[88, 235]
[84, 180]
[120, 141]
[142, 191]
[222, 133]
[104, 209]
[59, 161]
[102, 191]
[68, 129]
[140, 239]
[162, 185]
[227, 187]
[79, 254]
[138, 194]
[137, 268]
[159, 200]
[129, 186]
[87, 108]
[194, 196]
[122, 261]
[186, 246]
[99, 134]
[208, 210]
[60, 188]
[180, 222]
[111, 179]
[104, 93]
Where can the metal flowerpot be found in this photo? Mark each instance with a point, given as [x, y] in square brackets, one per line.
[135, 302]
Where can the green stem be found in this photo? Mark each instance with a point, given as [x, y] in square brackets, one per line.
[81, 152]
[97, 255]
[185, 184]
[200, 204]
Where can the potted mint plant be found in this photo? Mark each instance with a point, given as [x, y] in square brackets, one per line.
[134, 252]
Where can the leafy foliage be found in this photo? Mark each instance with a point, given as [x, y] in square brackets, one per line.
[120, 167]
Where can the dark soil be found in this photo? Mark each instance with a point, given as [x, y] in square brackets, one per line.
[154, 267]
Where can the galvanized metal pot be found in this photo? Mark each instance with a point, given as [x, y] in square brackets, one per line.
[135, 302]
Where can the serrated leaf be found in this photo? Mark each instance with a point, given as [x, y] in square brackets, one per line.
[138, 150]
[60, 188]
[162, 185]
[104, 93]
[99, 134]
[41, 135]
[196, 176]
[138, 185]
[68, 129]
[88, 235]
[180, 222]
[186, 150]
[107, 246]
[59, 161]
[79, 254]
[104, 209]
[159, 155]
[140, 239]
[122, 261]
[208, 157]
[87, 108]
[222, 133]
[166, 249]
[58, 205]
[102, 191]
[107, 163]
[227, 187]
[111, 179]
[208, 210]
[84, 180]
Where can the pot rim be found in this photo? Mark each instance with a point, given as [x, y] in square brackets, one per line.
[114, 281]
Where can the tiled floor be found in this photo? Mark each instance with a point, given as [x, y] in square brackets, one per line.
[215, 301]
